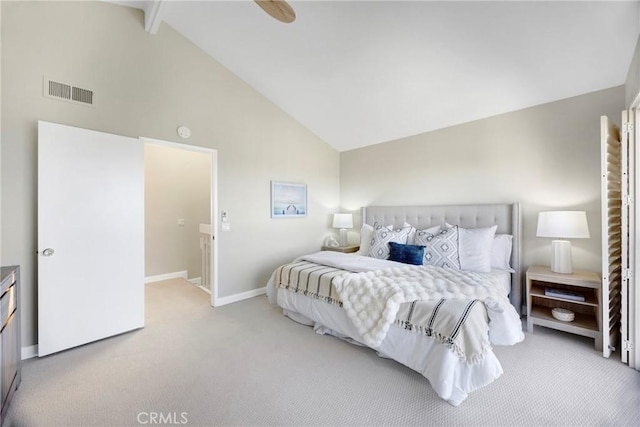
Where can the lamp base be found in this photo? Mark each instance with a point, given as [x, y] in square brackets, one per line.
[561, 256]
[343, 238]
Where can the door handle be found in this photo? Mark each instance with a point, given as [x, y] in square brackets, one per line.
[48, 252]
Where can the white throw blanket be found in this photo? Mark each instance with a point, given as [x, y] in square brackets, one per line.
[350, 262]
[372, 299]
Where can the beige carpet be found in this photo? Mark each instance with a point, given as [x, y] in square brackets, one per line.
[246, 364]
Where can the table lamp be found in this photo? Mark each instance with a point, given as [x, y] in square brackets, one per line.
[343, 221]
[562, 225]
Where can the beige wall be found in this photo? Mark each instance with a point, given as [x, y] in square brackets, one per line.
[148, 85]
[546, 157]
[632, 85]
[177, 185]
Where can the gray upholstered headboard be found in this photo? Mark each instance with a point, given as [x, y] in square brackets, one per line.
[506, 216]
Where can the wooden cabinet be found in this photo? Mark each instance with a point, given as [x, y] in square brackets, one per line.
[541, 299]
[10, 347]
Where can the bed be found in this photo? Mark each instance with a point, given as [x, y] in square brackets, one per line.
[407, 296]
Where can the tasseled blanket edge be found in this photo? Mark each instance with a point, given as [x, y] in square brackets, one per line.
[471, 359]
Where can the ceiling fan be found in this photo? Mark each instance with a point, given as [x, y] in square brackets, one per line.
[279, 9]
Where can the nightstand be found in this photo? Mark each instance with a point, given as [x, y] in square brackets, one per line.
[541, 299]
[343, 249]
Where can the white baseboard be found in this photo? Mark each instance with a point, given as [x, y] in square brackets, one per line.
[29, 352]
[241, 296]
[174, 275]
[196, 281]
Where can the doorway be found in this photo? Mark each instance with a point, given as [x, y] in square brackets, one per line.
[180, 220]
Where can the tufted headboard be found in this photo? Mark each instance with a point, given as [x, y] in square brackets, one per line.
[506, 216]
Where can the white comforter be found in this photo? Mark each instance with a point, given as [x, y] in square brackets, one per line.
[505, 327]
[451, 377]
[348, 262]
[372, 299]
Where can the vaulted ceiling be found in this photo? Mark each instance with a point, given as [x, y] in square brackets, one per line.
[358, 73]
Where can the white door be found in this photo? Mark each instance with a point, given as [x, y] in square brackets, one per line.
[634, 262]
[90, 236]
[628, 294]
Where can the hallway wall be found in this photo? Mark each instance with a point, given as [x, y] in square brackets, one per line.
[177, 187]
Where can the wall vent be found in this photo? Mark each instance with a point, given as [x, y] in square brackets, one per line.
[63, 91]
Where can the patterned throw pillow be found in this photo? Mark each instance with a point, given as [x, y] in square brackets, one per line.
[381, 238]
[441, 249]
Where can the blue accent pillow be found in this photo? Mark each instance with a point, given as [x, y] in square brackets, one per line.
[408, 254]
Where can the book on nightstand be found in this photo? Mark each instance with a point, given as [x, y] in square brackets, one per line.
[563, 293]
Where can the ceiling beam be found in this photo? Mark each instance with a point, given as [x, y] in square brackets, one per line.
[153, 15]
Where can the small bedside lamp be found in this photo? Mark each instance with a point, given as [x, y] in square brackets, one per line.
[343, 221]
[564, 225]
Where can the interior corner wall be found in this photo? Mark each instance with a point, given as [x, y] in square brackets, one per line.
[545, 157]
[632, 84]
[148, 85]
[177, 188]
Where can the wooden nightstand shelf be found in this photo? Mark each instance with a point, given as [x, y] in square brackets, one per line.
[587, 313]
[344, 249]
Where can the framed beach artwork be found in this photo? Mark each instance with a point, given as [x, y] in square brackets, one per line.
[288, 200]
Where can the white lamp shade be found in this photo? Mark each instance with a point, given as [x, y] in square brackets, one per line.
[342, 220]
[563, 224]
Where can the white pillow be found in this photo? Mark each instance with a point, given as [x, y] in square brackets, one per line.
[474, 246]
[441, 248]
[411, 238]
[501, 252]
[366, 235]
[381, 238]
